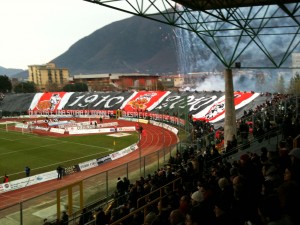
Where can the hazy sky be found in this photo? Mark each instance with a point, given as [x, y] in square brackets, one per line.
[37, 31]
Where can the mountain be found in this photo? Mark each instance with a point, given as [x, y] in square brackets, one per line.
[128, 46]
[141, 45]
[9, 71]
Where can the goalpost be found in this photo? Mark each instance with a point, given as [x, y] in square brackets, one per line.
[28, 129]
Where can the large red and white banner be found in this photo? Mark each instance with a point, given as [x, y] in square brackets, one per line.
[208, 106]
[216, 111]
[145, 100]
[49, 101]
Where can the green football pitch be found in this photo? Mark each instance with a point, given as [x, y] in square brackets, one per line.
[45, 153]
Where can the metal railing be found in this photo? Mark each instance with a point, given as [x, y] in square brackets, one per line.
[144, 207]
[97, 188]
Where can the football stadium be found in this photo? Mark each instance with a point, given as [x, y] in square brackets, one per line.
[79, 148]
[169, 155]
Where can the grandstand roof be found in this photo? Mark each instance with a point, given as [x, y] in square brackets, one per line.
[202, 5]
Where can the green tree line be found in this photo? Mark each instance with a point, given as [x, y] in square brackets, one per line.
[6, 86]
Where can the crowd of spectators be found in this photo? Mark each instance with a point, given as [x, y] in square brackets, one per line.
[278, 112]
[258, 189]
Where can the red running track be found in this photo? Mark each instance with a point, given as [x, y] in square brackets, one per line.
[156, 138]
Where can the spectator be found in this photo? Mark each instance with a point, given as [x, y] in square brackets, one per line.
[226, 191]
[27, 171]
[59, 172]
[114, 215]
[5, 180]
[150, 215]
[289, 198]
[223, 213]
[100, 216]
[295, 164]
[137, 218]
[288, 174]
[163, 216]
[272, 173]
[200, 210]
[185, 204]
[177, 217]
[191, 219]
[126, 184]
[64, 218]
[85, 216]
[46, 222]
[264, 155]
[229, 147]
[234, 141]
[120, 186]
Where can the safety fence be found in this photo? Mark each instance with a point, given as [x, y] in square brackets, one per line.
[91, 190]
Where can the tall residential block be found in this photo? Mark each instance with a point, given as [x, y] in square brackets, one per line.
[296, 63]
[47, 77]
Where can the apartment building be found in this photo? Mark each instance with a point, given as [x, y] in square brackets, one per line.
[48, 77]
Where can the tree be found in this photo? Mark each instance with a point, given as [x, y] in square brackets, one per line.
[294, 87]
[77, 87]
[69, 87]
[25, 87]
[81, 87]
[52, 87]
[280, 85]
[5, 84]
[260, 81]
[160, 86]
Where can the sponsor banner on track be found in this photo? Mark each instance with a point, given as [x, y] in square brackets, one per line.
[126, 128]
[71, 169]
[166, 126]
[71, 124]
[4, 187]
[28, 181]
[143, 121]
[40, 128]
[71, 128]
[21, 126]
[118, 135]
[21, 183]
[57, 130]
[108, 124]
[39, 121]
[85, 123]
[103, 160]
[92, 131]
[123, 152]
[59, 123]
[128, 119]
[9, 122]
[88, 165]
[51, 175]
